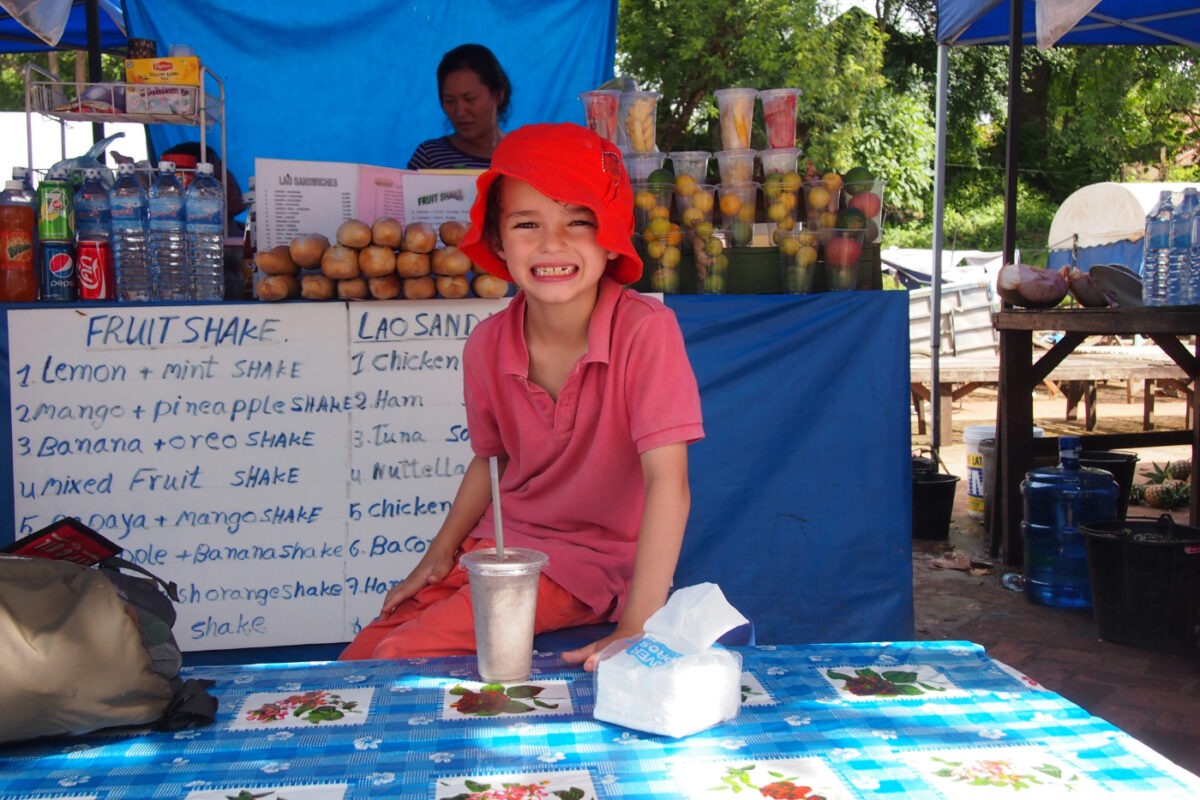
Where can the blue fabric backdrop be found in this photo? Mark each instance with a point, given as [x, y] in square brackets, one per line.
[355, 82]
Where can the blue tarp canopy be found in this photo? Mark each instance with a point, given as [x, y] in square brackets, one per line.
[16, 38]
[1146, 22]
[355, 82]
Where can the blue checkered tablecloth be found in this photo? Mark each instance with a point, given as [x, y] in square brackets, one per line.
[936, 720]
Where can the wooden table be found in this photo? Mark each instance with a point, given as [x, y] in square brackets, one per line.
[1074, 379]
[1020, 373]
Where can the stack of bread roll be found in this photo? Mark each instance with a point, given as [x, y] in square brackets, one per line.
[382, 261]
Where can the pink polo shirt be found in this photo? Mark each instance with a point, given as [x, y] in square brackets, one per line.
[574, 488]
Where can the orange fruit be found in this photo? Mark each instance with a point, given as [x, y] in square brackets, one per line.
[685, 185]
[702, 200]
[731, 204]
[645, 200]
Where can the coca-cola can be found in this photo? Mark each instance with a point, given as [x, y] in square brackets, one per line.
[97, 277]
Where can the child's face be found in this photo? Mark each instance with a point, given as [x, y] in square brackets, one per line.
[550, 247]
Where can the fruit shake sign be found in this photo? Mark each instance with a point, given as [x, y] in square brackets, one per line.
[284, 465]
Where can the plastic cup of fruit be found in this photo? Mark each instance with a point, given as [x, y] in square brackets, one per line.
[867, 197]
[651, 201]
[638, 112]
[781, 200]
[738, 203]
[736, 166]
[779, 114]
[710, 260]
[601, 109]
[820, 204]
[639, 165]
[736, 107]
[663, 254]
[842, 250]
[799, 252]
[693, 163]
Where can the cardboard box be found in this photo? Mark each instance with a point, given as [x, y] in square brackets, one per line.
[180, 71]
[178, 100]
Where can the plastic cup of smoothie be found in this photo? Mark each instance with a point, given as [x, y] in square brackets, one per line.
[779, 114]
[504, 600]
[600, 109]
[736, 108]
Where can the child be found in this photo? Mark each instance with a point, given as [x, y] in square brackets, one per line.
[583, 391]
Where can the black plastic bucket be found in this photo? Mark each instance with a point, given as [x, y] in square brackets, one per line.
[1121, 465]
[932, 505]
[1145, 577]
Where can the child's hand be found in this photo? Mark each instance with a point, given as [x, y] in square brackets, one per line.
[431, 569]
[589, 655]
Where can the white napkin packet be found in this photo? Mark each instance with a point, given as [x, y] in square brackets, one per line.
[674, 680]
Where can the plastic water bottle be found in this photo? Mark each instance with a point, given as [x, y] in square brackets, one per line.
[1191, 295]
[1179, 283]
[205, 208]
[1057, 500]
[127, 203]
[93, 216]
[168, 235]
[1157, 251]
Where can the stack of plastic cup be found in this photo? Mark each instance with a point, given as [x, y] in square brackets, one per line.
[779, 114]
[652, 208]
[601, 109]
[640, 165]
[843, 249]
[691, 162]
[708, 255]
[736, 166]
[867, 197]
[663, 254]
[821, 200]
[798, 254]
[736, 108]
[781, 187]
[638, 116]
[738, 203]
[696, 203]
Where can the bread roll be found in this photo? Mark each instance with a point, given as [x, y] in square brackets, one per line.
[354, 233]
[385, 287]
[340, 263]
[412, 265]
[353, 289]
[419, 237]
[449, 260]
[376, 261]
[452, 287]
[276, 261]
[420, 288]
[306, 250]
[277, 287]
[452, 232]
[315, 286]
[488, 285]
[387, 231]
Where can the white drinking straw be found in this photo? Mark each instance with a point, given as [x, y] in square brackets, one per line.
[492, 468]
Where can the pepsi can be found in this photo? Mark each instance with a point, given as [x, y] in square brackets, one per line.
[57, 278]
[97, 277]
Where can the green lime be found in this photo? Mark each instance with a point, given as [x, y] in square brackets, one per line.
[661, 177]
[851, 218]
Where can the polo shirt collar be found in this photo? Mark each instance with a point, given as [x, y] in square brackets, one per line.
[514, 359]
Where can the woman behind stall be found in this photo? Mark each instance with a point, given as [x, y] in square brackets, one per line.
[475, 95]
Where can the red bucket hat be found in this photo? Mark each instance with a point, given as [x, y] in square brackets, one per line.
[571, 164]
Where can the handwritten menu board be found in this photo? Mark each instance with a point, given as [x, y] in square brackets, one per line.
[283, 464]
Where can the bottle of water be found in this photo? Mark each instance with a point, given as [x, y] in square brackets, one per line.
[127, 203]
[205, 209]
[1179, 285]
[1157, 251]
[1057, 500]
[168, 242]
[93, 216]
[1190, 205]
[22, 174]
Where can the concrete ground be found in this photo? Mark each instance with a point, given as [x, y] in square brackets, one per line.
[1152, 695]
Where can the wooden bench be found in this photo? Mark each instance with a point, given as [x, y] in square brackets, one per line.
[1074, 379]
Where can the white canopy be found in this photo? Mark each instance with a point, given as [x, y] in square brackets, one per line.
[1103, 213]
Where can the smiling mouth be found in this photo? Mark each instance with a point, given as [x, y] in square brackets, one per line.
[554, 272]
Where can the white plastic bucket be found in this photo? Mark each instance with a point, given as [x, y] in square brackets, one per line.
[972, 436]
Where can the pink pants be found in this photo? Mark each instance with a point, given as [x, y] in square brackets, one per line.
[438, 621]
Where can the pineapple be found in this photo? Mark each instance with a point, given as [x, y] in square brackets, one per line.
[1165, 495]
[1180, 470]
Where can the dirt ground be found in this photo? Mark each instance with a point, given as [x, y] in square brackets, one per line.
[959, 594]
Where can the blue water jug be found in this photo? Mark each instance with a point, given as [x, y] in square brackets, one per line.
[1057, 500]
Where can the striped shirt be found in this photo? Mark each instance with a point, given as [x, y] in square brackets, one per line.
[441, 154]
